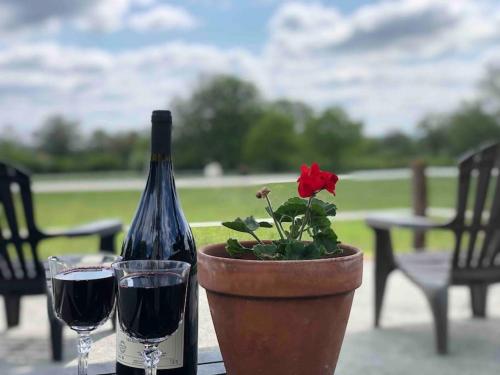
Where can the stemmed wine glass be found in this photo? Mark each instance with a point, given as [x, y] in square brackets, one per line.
[83, 293]
[151, 301]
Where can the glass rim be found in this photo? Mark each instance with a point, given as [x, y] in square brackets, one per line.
[61, 263]
[78, 257]
[178, 263]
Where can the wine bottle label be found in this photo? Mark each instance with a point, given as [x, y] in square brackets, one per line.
[129, 353]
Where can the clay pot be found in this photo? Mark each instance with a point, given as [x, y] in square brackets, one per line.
[279, 317]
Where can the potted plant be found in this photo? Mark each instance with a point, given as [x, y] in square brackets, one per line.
[280, 307]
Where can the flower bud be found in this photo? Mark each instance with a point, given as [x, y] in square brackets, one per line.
[262, 193]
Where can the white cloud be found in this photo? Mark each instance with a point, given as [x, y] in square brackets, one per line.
[163, 17]
[105, 16]
[51, 57]
[16, 14]
[143, 3]
[32, 16]
[415, 28]
[29, 17]
[388, 63]
[102, 88]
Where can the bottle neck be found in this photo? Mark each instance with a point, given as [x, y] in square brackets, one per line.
[161, 157]
[161, 181]
[161, 170]
[161, 138]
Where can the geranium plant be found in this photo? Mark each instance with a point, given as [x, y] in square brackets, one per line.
[292, 220]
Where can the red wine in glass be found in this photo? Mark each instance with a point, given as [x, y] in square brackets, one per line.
[84, 297]
[151, 305]
[82, 290]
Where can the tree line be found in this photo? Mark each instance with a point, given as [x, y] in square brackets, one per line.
[226, 120]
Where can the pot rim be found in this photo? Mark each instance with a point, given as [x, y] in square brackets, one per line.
[340, 258]
[278, 279]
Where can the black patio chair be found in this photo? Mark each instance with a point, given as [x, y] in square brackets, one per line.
[475, 260]
[22, 272]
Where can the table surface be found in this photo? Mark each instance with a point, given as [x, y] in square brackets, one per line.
[102, 359]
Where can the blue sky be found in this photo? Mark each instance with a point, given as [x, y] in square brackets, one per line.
[108, 63]
[222, 23]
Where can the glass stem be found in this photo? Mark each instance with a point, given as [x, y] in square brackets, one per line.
[84, 344]
[151, 355]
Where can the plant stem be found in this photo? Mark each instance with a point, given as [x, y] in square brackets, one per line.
[255, 236]
[306, 217]
[276, 222]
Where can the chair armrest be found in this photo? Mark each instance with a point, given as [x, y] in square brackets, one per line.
[101, 228]
[387, 221]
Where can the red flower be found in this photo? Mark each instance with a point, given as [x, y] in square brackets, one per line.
[313, 180]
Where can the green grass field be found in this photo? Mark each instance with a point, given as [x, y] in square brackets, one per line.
[210, 204]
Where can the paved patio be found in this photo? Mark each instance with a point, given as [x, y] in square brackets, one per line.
[404, 346]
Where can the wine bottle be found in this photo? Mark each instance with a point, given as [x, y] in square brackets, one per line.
[160, 231]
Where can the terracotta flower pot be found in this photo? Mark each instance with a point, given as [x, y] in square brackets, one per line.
[279, 317]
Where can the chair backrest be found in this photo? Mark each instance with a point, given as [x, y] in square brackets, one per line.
[477, 222]
[18, 250]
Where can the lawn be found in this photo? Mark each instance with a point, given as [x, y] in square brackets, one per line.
[214, 204]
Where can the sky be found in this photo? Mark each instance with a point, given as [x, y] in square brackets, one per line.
[108, 63]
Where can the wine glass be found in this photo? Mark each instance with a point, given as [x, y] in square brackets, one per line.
[150, 302]
[82, 289]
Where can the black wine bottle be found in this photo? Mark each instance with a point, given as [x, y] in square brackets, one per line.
[160, 231]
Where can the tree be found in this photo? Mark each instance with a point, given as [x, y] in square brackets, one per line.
[433, 135]
[455, 133]
[58, 136]
[13, 150]
[397, 144]
[469, 127]
[122, 150]
[99, 141]
[299, 112]
[214, 121]
[490, 89]
[332, 139]
[271, 144]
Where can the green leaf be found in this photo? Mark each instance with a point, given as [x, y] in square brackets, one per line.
[234, 248]
[266, 251]
[323, 208]
[294, 250]
[320, 223]
[312, 251]
[237, 225]
[295, 228]
[290, 209]
[281, 244]
[265, 224]
[246, 226]
[251, 223]
[327, 240]
[300, 251]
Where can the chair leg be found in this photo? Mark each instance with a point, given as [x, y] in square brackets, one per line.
[478, 294]
[384, 265]
[438, 301]
[381, 274]
[107, 243]
[113, 320]
[12, 309]
[56, 332]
